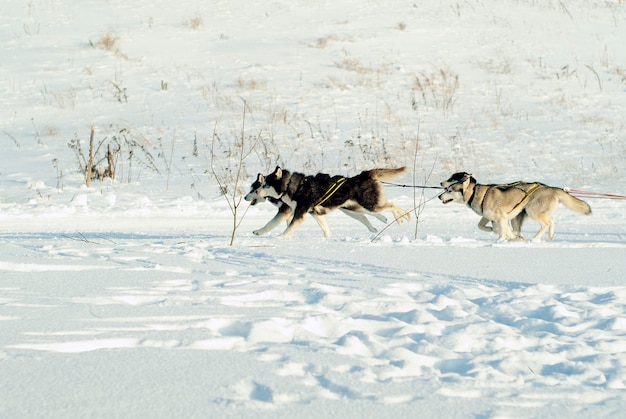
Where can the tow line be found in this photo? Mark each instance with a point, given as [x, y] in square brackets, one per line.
[412, 186]
[589, 194]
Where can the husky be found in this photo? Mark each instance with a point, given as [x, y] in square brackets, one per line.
[321, 194]
[510, 202]
[516, 222]
[285, 213]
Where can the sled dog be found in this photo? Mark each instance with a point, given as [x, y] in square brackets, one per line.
[285, 213]
[516, 222]
[510, 202]
[297, 194]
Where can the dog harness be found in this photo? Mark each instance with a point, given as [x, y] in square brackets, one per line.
[331, 191]
[527, 194]
[531, 191]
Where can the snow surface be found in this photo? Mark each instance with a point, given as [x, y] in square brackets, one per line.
[125, 299]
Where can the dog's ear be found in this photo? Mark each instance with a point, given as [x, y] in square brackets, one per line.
[260, 178]
[278, 172]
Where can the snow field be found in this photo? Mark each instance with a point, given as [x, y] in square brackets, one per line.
[124, 300]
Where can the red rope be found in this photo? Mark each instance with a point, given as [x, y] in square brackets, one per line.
[588, 194]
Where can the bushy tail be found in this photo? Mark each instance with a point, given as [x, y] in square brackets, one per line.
[573, 203]
[386, 174]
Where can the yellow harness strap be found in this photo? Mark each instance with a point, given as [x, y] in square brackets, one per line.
[531, 191]
[331, 191]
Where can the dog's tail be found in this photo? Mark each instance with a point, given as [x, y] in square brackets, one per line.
[572, 202]
[386, 174]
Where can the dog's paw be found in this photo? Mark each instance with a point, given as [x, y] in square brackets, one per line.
[406, 216]
[257, 232]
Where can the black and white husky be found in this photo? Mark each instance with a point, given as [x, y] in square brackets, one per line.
[297, 194]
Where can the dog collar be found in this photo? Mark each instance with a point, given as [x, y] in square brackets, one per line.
[288, 186]
[472, 196]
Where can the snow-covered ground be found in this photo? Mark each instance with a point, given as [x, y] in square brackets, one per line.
[125, 299]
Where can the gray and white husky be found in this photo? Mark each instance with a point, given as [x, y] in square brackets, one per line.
[297, 194]
[510, 202]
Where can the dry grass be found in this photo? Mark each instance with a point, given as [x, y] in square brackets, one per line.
[333, 82]
[326, 40]
[620, 73]
[501, 67]
[436, 89]
[108, 41]
[349, 63]
[64, 99]
[367, 74]
[194, 23]
[251, 84]
[50, 130]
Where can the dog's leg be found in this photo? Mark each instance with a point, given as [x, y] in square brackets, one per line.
[399, 214]
[298, 218]
[283, 214]
[321, 220]
[551, 230]
[482, 224]
[541, 210]
[379, 217]
[503, 229]
[516, 224]
[361, 218]
[547, 223]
